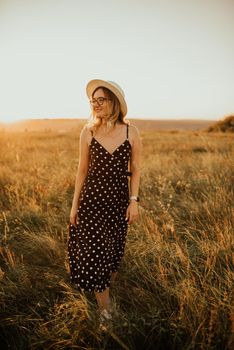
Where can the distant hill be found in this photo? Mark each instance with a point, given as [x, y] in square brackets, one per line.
[47, 125]
[225, 125]
[64, 125]
[179, 124]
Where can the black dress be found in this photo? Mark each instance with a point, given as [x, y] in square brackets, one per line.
[96, 245]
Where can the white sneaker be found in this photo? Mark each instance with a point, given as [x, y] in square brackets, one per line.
[105, 319]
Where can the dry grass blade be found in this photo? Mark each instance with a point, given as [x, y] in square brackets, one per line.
[175, 287]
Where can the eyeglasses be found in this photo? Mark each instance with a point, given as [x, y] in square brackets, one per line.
[99, 101]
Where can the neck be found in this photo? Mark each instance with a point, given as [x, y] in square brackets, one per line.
[106, 125]
[103, 122]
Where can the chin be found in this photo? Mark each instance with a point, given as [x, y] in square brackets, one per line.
[98, 114]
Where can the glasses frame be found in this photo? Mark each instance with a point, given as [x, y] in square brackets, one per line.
[100, 101]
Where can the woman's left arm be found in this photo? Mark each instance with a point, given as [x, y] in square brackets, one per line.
[132, 210]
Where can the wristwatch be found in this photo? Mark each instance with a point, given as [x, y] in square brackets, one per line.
[134, 198]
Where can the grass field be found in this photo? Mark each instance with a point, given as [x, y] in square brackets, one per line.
[175, 287]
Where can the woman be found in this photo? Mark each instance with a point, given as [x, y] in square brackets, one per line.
[102, 208]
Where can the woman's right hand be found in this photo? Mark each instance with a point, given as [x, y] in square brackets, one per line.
[73, 216]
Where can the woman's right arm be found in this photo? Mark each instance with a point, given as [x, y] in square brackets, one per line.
[81, 173]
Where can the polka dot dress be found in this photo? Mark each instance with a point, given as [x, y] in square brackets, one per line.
[96, 245]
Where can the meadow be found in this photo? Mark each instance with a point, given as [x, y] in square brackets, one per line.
[175, 286]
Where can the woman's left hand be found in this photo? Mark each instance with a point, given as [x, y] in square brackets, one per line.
[132, 212]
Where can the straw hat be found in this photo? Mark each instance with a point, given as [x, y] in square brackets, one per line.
[112, 86]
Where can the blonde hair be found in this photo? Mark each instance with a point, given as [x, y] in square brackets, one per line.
[115, 114]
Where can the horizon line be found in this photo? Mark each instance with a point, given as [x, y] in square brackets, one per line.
[138, 118]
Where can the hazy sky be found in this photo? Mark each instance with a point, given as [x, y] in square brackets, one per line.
[173, 58]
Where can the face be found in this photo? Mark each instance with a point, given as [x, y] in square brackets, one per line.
[100, 104]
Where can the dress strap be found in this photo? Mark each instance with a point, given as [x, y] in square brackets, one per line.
[91, 132]
[127, 131]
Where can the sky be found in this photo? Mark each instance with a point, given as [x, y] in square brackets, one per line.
[172, 58]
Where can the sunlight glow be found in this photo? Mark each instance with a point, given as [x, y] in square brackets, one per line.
[174, 60]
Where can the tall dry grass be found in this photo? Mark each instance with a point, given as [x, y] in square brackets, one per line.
[175, 287]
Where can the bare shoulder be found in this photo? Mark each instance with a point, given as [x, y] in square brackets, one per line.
[86, 133]
[134, 134]
[133, 129]
[86, 128]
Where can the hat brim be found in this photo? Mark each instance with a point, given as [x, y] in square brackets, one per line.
[97, 83]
